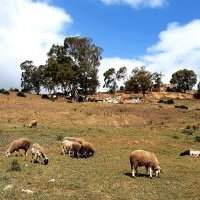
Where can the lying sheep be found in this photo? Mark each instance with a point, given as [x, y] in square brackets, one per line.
[16, 145]
[32, 124]
[86, 150]
[147, 159]
[190, 152]
[38, 155]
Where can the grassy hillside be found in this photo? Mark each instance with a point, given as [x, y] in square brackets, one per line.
[115, 130]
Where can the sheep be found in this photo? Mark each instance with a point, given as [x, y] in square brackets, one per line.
[32, 124]
[190, 152]
[139, 158]
[71, 148]
[79, 140]
[38, 155]
[87, 149]
[16, 145]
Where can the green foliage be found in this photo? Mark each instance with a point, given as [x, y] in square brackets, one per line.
[166, 101]
[31, 79]
[59, 137]
[3, 91]
[73, 67]
[197, 94]
[14, 166]
[140, 81]
[111, 77]
[156, 80]
[184, 80]
[197, 138]
[21, 94]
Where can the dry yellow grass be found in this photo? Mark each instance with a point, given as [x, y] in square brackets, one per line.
[115, 130]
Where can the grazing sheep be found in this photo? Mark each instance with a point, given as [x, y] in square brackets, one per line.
[32, 124]
[86, 150]
[147, 159]
[79, 140]
[38, 155]
[190, 152]
[16, 145]
[71, 147]
[66, 146]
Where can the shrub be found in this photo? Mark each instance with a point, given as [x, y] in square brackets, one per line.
[197, 95]
[21, 94]
[197, 138]
[188, 131]
[45, 96]
[59, 137]
[14, 90]
[3, 91]
[14, 166]
[181, 107]
[166, 101]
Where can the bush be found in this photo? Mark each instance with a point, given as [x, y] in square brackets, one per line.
[188, 131]
[197, 138]
[21, 94]
[14, 90]
[59, 137]
[166, 101]
[45, 96]
[3, 91]
[197, 95]
[14, 166]
[181, 107]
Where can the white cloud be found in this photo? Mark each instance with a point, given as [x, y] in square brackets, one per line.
[27, 30]
[178, 47]
[137, 3]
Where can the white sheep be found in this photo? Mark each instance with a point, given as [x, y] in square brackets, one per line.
[38, 155]
[190, 152]
[139, 158]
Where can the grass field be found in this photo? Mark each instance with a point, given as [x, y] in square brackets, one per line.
[115, 131]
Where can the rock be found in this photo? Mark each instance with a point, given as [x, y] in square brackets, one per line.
[51, 180]
[8, 187]
[27, 191]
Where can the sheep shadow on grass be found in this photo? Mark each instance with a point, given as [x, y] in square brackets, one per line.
[137, 175]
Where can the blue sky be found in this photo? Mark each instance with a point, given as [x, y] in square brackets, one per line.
[163, 35]
[122, 30]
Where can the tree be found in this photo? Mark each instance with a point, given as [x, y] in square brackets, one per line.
[31, 77]
[73, 67]
[198, 88]
[86, 56]
[110, 80]
[140, 81]
[111, 77]
[184, 80]
[156, 80]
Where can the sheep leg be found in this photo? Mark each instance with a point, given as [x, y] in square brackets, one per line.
[150, 172]
[136, 170]
[26, 152]
[133, 172]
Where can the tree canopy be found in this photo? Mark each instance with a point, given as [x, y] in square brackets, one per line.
[184, 80]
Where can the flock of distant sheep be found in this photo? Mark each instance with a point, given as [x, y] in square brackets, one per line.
[79, 148]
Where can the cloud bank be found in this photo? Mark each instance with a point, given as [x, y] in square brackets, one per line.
[137, 3]
[178, 47]
[27, 30]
